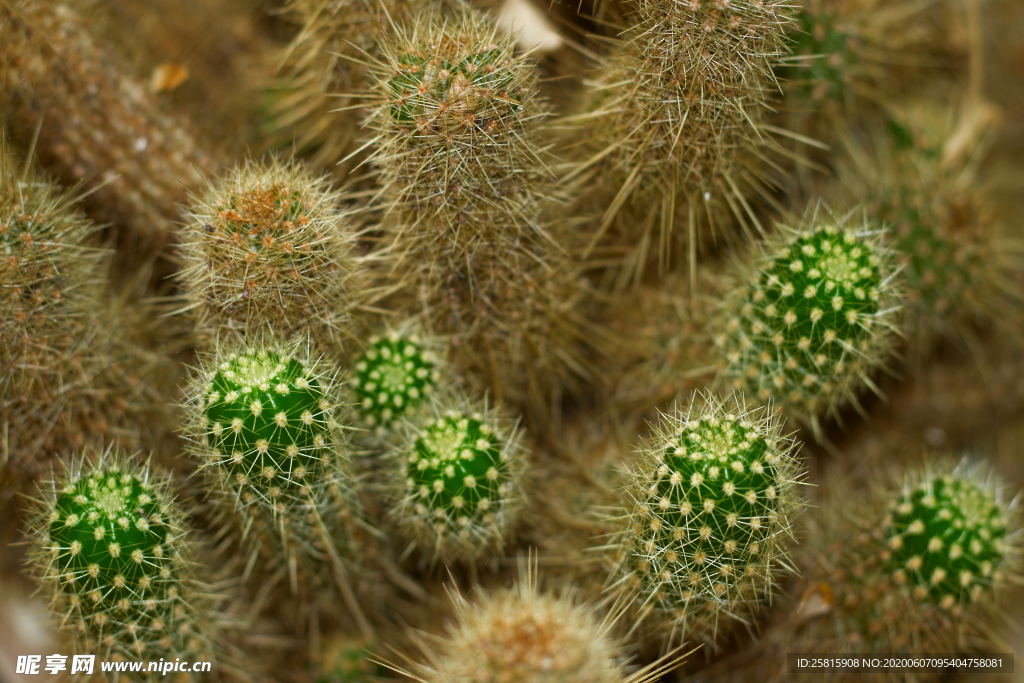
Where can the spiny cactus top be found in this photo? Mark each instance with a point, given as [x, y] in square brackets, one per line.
[810, 320]
[455, 132]
[459, 481]
[910, 568]
[269, 421]
[713, 496]
[393, 376]
[945, 539]
[45, 270]
[269, 249]
[111, 546]
[524, 635]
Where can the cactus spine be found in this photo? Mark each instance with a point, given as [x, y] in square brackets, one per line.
[712, 498]
[111, 549]
[456, 480]
[811, 319]
[270, 250]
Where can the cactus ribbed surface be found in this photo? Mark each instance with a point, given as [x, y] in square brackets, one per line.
[811, 320]
[111, 547]
[393, 376]
[712, 499]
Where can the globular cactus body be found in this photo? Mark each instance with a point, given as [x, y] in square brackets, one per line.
[263, 428]
[269, 249]
[110, 547]
[810, 320]
[393, 377]
[713, 497]
[457, 481]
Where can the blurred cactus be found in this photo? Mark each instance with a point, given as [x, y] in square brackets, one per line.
[523, 634]
[269, 248]
[110, 546]
[670, 136]
[811, 319]
[393, 377]
[712, 498]
[107, 127]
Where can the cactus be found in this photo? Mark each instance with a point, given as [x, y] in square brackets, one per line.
[269, 249]
[456, 480]
[523, 634]
[263, 427]
[73, 371]
[108, 127]
[461, 172]
[914, 568]
[314, 71]
[673, 124]
[810, 320]
[856, 49]
[393, 378]
[111, 548]
[712, 497]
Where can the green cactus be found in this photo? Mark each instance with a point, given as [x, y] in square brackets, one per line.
[263, 427]
[711, 501]
[456, 480]
[111, 548]
[828, 54]
[810, 320]
[913, 567]
[946, 539]
[393, 377]
[269, 249]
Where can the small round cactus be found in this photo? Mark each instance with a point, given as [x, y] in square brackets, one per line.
[263, 428]
[523, 634]
[712, 498]
[269, 249]
[110, 546]
[457, 480]
[811, 319]
[915, 567]
[945, 538]
[393, 377]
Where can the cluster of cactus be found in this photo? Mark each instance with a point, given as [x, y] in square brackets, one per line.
[111, 548]
[425, 332]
